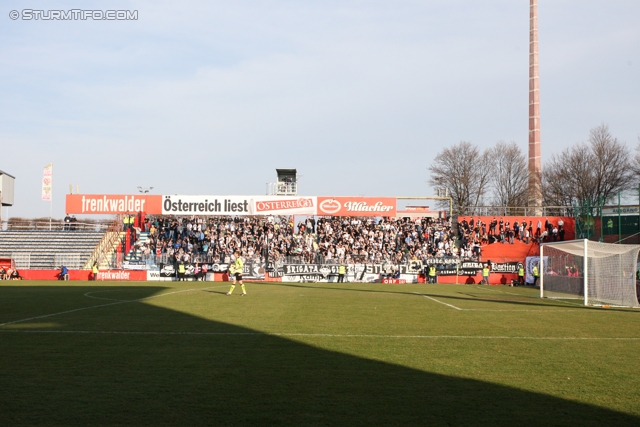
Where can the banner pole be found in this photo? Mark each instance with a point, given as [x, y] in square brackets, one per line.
[51, 199]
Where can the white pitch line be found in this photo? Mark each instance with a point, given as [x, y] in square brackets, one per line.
[88, 295]
[285, 334]
[530, 296]
[105, 305]
[433, 299]
[539, 310]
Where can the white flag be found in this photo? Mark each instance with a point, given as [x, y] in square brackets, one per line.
[47, 180]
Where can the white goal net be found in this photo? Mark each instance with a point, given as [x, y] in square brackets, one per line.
[598, 273]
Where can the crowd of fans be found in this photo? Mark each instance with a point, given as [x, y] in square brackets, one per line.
[474, 233]
[325, 240]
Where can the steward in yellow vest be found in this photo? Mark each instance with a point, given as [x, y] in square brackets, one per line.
[342, 270]
[432, 274]
[181, 271]
[521, 276]
[485, 275]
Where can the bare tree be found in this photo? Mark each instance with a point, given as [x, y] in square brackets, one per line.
[588, 173]
[635, 164]
[465, 171]
[509, 178]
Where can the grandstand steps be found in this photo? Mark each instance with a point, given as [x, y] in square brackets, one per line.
[135, 254]
[107, 259]
[43, 249]
[505, 252]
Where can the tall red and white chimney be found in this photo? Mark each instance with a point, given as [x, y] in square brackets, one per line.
[535, 163]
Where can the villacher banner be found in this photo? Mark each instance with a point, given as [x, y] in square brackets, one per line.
[357, 206]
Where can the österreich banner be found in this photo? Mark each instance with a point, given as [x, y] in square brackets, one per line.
[357, 206]
[278, 205]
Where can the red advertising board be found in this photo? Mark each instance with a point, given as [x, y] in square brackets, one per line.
[84, 275]
[357, 206]
[113, 204]
[229, 205]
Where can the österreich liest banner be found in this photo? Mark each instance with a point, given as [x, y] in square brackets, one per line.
[357, 206]
[206, 205]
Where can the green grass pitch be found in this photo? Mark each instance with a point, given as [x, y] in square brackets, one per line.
[185, 354]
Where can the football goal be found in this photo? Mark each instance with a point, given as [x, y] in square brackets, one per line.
[598, 273]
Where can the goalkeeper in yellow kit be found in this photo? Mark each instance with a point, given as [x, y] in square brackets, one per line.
[235, 270]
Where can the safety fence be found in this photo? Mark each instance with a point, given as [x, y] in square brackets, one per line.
[28, 260]
[54, 225]
[562, 211]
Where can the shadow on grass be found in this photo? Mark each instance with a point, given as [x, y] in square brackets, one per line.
[227, 375]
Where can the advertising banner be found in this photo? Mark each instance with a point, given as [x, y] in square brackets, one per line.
[206, 205]
[357, 206]
[329, 272]
[532, 261]
[177, 204]
[471, 268]
[277, 205]
[250, 271]
[112, 204]
[135, 265]
[122, 275]
[47, 182]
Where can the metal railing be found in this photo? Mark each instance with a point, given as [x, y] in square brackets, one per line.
[71, 261]
[56, 225]
[21, 260]
[516, 211]
[282, 188]
[106, 246]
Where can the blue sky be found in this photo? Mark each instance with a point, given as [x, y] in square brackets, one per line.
[359, 96]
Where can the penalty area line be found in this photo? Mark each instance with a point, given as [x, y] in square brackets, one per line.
[443, 303]
[285, 334]
[541, 310]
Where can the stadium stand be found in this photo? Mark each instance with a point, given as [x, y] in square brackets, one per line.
[38, 249]
[331, 239]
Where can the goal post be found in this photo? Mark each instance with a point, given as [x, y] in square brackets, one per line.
[598, 273]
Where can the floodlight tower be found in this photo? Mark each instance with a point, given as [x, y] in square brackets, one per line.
[535, 163]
